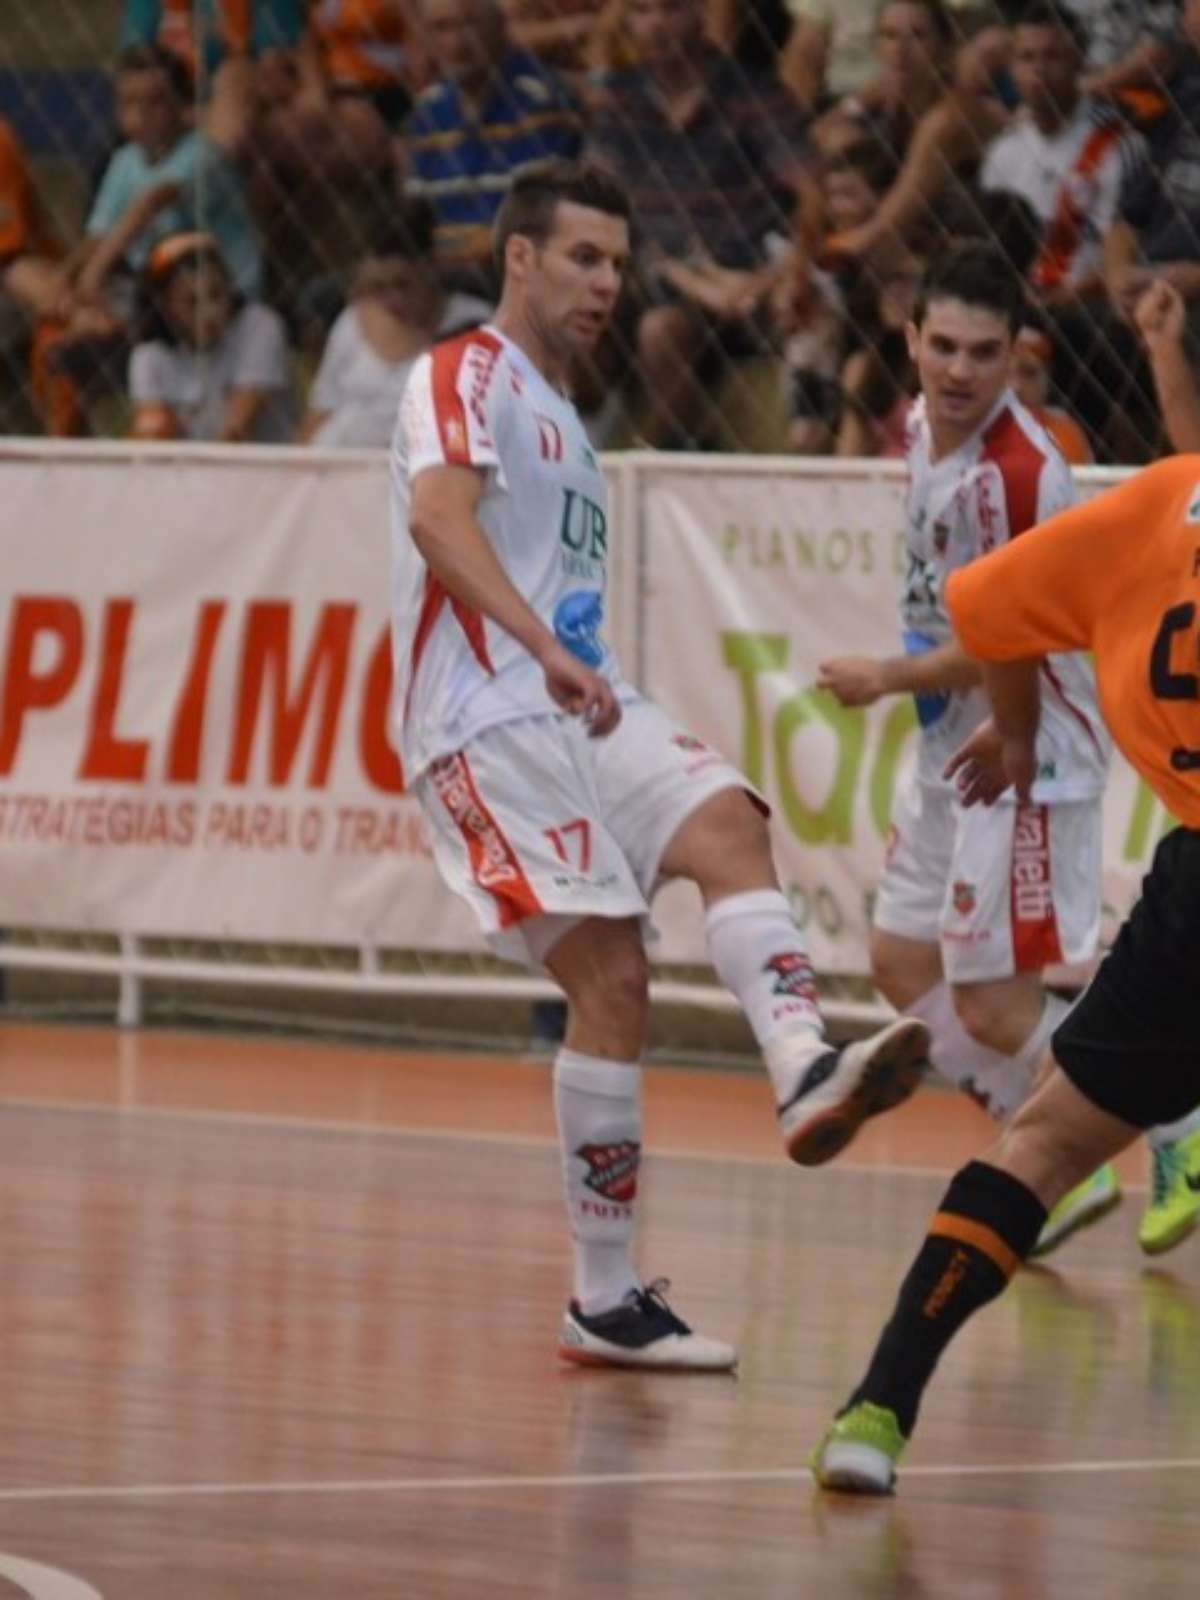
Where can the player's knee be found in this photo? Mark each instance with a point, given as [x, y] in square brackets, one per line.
[615, 993]
[899, 978]
[984, 1015]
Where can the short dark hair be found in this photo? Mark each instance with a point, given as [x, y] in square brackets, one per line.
[536, 192]
[977, 272]
[153, 58]
[1051, 14]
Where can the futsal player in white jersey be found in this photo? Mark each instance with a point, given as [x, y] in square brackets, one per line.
[556, 795]
[975, 902]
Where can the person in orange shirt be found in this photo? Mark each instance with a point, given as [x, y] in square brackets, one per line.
[1119, 576]
[1030, 377]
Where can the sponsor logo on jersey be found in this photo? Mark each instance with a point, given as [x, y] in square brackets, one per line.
[687, 741]
[578, 618]
[480, 362]
[1192, 515]
[612, 1169]
[550, 439]
[793, 974]
[963, 897]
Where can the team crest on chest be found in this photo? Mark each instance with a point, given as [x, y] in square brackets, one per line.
[550, 439]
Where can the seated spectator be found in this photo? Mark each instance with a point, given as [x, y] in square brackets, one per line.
[817, 294]
[169, 177]
[1156, 235]
[330, 112]
[914, 44]
[879, 381]
[204, 35]
[29, 252]
[753, 33]
[491, 110]
[1033, 354]
[565, 34]
[210, 365]
[1132, 48]
[398, 308]
[1063, 152]
[947, 141]
[714, 160]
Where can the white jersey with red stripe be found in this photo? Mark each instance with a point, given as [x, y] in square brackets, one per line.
[478, 401]
[1007, 477]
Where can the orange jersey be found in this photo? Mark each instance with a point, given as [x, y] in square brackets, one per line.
[1119, 576]
[362, 42]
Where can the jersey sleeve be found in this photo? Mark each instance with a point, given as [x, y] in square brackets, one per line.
[1047, 590]
[452, 411]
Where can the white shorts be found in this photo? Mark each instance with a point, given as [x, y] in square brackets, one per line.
[1002, 889]
[537, 825]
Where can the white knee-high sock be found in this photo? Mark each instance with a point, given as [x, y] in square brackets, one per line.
[1000, 1083]
[1172, 1132]
[598, 1107]
[759, 955]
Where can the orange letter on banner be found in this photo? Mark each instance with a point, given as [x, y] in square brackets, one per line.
[380, 762]
[187, 730]
[25, 690]
[107, 756]
[266, 648]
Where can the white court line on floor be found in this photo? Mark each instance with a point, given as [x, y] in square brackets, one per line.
[391, 1130]
[587, 1480]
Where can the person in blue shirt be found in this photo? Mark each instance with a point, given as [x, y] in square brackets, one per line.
[170, 176]
[492, 110]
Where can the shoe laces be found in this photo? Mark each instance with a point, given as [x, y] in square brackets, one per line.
[652, 1301]
[1168, 1171]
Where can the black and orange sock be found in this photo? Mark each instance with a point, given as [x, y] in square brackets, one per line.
[985, 1227]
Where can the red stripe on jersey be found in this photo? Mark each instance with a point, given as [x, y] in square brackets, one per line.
[471, 623]
[1031, 892]
[1061, 236]
[494, 864]
[468, 619]
[1076, 711]
[432, 602]
[1020, 463]
[478, 351]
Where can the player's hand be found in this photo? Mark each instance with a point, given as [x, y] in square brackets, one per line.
[1160, 314]
[853, 680]
[977, 767]
[580, 691]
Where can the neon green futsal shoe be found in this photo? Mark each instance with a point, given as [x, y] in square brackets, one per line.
[1174, 1204]
[1086, 1202]
[859, 1451]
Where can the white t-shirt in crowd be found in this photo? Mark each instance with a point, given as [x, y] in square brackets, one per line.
[1002, 481]
[196, 384]
[360, 390]
[1071, 178]
[478, 401]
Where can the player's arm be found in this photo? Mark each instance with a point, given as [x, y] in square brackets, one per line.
[862, 680]
[1161, 318]
[445, 529]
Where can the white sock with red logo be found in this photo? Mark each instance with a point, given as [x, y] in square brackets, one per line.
[598, 1106]
[999, 1083]
[759, 955]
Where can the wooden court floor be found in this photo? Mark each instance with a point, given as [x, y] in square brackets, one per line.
[278, 1324]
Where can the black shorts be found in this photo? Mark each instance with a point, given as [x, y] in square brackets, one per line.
[1132, 1044]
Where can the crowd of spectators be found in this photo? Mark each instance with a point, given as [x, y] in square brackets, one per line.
[297, 194]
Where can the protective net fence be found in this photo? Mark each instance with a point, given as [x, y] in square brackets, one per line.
[793, 166]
